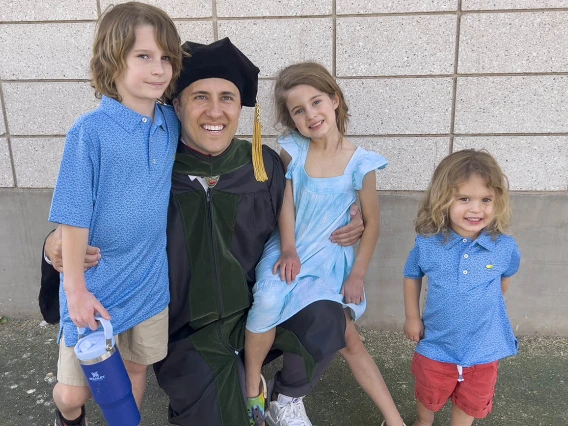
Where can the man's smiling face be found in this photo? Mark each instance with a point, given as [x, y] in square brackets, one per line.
[209, 111]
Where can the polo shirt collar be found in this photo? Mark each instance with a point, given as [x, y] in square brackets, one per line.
[452, 240]
[484, 240]
[122, 115]
[158, 117]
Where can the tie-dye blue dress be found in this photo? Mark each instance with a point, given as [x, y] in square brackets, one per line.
[322, 206]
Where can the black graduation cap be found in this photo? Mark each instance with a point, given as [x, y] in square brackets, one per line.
[221, 59]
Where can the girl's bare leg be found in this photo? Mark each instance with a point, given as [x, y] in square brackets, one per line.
[257, 346]
[367, 374]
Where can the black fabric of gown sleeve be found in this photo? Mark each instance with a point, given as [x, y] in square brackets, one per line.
[49, 290]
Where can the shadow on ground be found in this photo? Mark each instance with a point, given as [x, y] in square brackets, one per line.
[532, 389]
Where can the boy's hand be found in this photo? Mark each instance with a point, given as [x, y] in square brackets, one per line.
[353, 290]
[83, 307]
[414, 329]
[53, 252]
[289, 264]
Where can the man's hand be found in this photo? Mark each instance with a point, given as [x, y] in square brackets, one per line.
[414, 329]
[350, 233]
[289, 264]
[353, 290]
[83, 307]
[53, 252]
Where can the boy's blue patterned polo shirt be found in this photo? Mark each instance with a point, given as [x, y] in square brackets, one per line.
[465, 318]
[115, 179]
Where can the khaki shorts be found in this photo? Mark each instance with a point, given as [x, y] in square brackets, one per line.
[144, 344]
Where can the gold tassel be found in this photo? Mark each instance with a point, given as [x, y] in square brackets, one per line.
[257, 161]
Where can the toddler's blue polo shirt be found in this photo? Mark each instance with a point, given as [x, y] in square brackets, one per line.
[465, 318]
[115, 179]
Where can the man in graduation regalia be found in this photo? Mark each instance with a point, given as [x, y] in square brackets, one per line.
[225, 200]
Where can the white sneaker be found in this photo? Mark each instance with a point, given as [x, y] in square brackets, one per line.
[287, 411]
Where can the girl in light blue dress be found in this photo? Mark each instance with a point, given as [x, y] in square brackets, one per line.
[301, 264]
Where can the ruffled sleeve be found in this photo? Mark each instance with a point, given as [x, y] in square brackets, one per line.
[368, 161]
[295, 145]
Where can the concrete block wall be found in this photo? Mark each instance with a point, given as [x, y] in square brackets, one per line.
[422, 78]
[417, 75]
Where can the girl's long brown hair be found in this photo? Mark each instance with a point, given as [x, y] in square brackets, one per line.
[314, 75]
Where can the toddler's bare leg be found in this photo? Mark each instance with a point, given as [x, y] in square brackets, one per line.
[257, 346]
[459, 418]
[367, 374]
[425, 416]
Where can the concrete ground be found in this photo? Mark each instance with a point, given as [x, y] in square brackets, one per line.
[532, 389]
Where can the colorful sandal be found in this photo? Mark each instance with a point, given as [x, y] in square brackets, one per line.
[256, 405]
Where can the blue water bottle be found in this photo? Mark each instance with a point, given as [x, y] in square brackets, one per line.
[107, 376]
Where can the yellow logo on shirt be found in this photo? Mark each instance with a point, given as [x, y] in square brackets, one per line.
[489, 266]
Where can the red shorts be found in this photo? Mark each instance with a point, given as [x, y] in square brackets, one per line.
[437, 381]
